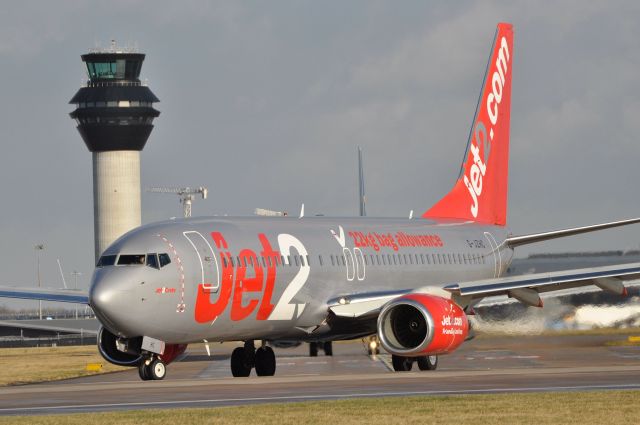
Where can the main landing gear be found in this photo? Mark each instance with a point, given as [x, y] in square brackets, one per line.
[327, 347]
[404, 364]
[243, 359]
[152, 369]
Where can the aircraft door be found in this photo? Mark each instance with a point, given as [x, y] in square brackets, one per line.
[495, 250]
[210, 272]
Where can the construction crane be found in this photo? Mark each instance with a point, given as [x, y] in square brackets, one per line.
[187, 195]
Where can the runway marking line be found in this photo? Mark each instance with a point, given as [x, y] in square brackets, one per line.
[327, 397]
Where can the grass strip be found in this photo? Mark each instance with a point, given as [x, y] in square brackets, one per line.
[592, 407]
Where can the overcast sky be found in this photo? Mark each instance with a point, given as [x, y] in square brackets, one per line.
[265, 102]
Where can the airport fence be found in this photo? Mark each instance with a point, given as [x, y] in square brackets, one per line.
[48, 341]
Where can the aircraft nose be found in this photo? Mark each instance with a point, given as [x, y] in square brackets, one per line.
[108, 298]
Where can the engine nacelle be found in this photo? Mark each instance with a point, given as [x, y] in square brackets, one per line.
[111, 348]
[420, 324]
[128, 352]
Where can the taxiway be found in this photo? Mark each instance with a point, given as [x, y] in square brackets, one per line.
[484, 365]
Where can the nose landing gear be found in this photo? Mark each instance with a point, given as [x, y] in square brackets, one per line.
[243, 359]
[152, 369]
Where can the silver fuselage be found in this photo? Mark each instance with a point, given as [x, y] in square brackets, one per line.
[273, 278]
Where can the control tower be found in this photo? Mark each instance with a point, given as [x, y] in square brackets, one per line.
[114, 113]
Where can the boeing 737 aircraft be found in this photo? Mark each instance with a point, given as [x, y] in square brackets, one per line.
[260, 279]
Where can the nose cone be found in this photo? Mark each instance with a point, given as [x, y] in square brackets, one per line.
[111, 297]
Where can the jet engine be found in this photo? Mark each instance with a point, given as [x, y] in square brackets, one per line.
[119, 351]
[419, 324]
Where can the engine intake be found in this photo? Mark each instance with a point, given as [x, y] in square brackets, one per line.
[108, 348]
[421, 324]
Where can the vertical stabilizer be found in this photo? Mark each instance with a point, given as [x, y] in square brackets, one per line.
[480, 193]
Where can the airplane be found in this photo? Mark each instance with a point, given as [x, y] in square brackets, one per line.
[412, 282]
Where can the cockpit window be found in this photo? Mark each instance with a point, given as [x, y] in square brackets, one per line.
[152, 261]
[164, 259]
[106, 260]
[129, 260]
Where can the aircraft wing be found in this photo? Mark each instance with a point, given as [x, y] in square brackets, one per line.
[525, 288]
[45, 294]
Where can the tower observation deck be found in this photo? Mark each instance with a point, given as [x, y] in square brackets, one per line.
[114, 115]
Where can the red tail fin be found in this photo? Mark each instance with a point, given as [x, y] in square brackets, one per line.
[480, 193]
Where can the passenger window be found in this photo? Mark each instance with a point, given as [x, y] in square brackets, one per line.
[131, 260]
[152, 261]
[106, 260]
[164, 259]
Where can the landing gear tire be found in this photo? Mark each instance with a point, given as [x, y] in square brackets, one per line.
[240, 367]
[428, 362]
[313, 349]
[157, 370]
[144, 372]
[401, 363]
[265, 361]
[328, 348]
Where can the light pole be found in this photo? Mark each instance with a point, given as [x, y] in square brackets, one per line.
[38, 248]
[75, 275]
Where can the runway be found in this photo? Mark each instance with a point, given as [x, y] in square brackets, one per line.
[484, 365]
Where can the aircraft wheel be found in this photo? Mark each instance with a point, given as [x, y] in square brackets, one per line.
[328, 348]
[428, 362]
[401, 363]
[157, 370]
[239, 364]
[144, 372]
[313, 349]
[265, 361]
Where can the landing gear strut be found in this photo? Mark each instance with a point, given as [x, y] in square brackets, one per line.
[243, 359]
[152, 369]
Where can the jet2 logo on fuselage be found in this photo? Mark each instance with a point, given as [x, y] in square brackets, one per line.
[249, 278]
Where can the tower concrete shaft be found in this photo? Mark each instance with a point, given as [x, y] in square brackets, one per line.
[116, 196]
